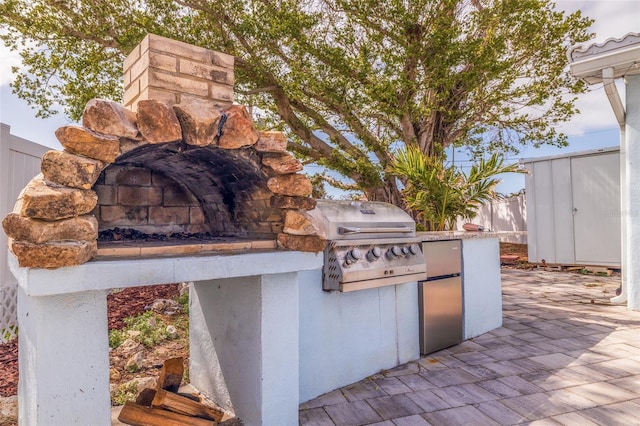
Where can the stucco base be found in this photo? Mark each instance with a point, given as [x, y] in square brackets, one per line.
[244, 346]
[63, 359]
[345, 337]
[244, 311]
[482, 289]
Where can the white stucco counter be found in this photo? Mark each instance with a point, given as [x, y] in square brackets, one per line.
[481, 285]
[243, 322]
[456, 235]
[345, 337]
[264, 336]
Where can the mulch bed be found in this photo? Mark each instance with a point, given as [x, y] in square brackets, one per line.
[512, 249]
[9, 368]
[133, 301]
[120, 305]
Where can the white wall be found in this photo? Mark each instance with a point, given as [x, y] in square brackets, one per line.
[19, 162]
[345, 337]
[482, 288]
[632, 199]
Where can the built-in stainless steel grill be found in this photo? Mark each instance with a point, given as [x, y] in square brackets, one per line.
[371, 244]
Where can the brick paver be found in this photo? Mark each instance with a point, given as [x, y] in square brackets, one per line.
[564, 355]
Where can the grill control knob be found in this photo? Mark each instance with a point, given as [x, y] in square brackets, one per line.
[353, 256]
[374, 254]
[394, 252]
[414, 249]
[405, 250]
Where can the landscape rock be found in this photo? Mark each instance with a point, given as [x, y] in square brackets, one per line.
[199, 120]
[70, 170]
[79, 140]
[281, 164]
[141, 383]
[236, 421]
[165, 306]
[36, 231]
[286, 202]
[293, 185]
[172, 331]
[307, 243]
[127, 145]
[152, 323]
[53, 254]
[271, 141]
[157, 122]
[42, 200]
[8, 409]
[109, 118]
[136, 362]
[298, 223]
[238, 130]
[114, 374]
[129, 347]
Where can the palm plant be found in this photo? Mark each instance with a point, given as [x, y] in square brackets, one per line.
[440, 194]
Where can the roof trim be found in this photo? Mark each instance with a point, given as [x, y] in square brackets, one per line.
[620, 54]
[571, 154]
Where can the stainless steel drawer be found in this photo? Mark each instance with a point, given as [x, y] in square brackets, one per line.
[443, 257]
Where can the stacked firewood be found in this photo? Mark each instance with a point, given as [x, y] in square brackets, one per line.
[164, 405]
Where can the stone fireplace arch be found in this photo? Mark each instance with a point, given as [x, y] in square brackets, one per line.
[190, 168]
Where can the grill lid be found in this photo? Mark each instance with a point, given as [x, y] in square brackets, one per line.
[341, 220]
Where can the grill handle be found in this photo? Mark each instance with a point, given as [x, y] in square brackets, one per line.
[355, 230]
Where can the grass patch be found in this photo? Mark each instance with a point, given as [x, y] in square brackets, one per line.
[183, 300]
[124, 393]
[149, 327]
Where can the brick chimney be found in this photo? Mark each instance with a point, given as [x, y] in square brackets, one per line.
[171, 71]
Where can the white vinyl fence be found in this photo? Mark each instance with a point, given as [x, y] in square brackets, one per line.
[19, 162]
[507, 216]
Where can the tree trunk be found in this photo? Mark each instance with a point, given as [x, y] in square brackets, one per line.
[388, 193]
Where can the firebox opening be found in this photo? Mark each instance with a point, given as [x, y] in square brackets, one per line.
[176, 191]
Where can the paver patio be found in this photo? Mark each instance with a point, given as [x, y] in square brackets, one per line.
[564, 356]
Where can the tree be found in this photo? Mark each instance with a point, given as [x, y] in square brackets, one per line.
[348, 80]
[441, 194]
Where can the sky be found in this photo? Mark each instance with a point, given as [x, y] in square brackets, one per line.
[595, 127]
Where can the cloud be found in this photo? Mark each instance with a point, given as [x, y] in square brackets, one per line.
[595, 111]
[612, 18]
[8, 59]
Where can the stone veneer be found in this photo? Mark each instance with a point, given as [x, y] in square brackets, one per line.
[177, 157]
[160, 171]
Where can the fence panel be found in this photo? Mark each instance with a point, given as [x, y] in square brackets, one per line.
[19, 162]
[507, 216]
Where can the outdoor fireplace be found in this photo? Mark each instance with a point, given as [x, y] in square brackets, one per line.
[178, 169]
[194, 177]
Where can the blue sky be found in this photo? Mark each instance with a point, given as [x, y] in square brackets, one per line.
[595, 127]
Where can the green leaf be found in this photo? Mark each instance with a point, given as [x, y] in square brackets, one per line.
[350, 80]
